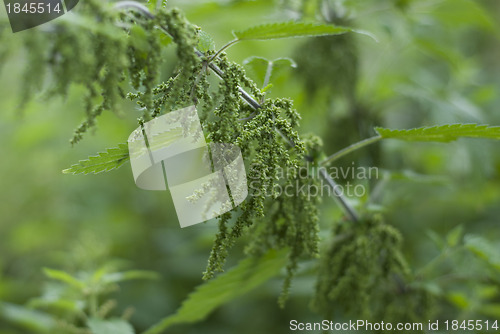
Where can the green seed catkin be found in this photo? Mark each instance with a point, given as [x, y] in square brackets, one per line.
[363, 273]
[226, 118]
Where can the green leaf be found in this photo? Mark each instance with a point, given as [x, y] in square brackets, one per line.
[282, 64]
[64, 277]
[483, 249]
[58, 305]
[205, 42]
[139, 38]
[436, 238]
[111, 326]
[440, 51]
[257, 68]
[454, 236]
[491, 310]
[85, 23]
[442, 133]
[464, 13]
[260, 68]
[34, 321]
[246, 276]
[459, 299]
[288, 29]
[129, 275]
[103, 162]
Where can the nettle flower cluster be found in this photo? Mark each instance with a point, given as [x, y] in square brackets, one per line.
[263, 135]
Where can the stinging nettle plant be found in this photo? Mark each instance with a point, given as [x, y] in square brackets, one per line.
[364, 253]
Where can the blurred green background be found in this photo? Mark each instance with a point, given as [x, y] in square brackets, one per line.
[434, 62]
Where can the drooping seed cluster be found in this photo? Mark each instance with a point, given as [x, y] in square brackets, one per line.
[363, 272]
[269, 142]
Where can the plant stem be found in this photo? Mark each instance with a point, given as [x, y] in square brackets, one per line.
[350, 149]
[338, 196]
[337, 193]
[93, 304]
[228, 44]
[267, 78]
[135, 5]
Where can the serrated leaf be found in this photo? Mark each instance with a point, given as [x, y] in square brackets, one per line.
[111, 326]
[247, 275]
[442, 133]
[64, 277]
[103, 162]
[205, 42]
[34, 321]
[288, 29]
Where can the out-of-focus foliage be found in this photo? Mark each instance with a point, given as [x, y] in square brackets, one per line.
[435, 63]
[241, 279]
[443, 133]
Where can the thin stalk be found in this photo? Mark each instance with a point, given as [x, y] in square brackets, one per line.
[93, 304]
[350, 149]
[228, 44]
[337, 195]
[267, 78]
[135, 5]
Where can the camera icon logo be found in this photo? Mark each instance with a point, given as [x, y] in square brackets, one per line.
[205, 181]
[25, 14]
